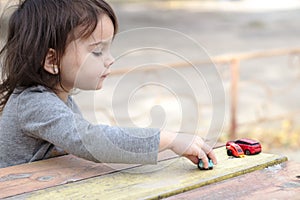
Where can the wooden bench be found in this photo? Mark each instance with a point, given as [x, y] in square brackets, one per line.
[69, 177]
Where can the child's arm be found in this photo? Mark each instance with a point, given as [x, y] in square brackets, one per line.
[188, 145]
[42, 117]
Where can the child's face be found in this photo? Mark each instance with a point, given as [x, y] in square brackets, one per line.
[86, 62]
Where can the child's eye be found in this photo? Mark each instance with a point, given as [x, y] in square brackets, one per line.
[97, 53]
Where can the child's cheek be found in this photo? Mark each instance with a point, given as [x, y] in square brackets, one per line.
[90, 71]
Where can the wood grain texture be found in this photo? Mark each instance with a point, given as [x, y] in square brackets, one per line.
[276, 182]
[169, 177]
[53, 172]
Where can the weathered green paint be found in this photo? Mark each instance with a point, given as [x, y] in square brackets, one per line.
[168, 178]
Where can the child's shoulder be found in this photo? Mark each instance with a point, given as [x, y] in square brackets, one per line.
[37, 97]
[42, 97]
[34, 95]
[32, 92]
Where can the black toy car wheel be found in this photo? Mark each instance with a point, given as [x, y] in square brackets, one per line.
[229, 152]
[247, 152]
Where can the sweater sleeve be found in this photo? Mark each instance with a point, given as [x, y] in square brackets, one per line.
[43, 115]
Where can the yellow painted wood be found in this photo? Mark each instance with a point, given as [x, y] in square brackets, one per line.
[168, 178]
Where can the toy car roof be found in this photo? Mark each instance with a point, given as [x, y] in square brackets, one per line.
[246, 140]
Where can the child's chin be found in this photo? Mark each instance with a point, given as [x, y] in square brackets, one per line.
[99, 87]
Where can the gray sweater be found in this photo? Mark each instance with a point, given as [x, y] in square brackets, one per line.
[36, 125]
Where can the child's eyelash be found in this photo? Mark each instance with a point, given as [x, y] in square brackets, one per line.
[97, 53]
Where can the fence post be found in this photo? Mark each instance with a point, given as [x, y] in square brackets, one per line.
[235, 76]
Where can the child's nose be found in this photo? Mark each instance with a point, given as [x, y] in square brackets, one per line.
[109, 61]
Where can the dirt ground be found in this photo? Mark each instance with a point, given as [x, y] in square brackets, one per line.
[218, 30]
[225, 27]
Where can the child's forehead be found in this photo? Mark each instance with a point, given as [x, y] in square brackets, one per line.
[104, 30]
[103, 33]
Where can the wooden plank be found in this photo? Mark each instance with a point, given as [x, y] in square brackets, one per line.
[168, 178]
[276, 182]
[57, 171]
[39, 175]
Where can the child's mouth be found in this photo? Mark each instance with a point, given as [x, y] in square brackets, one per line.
[105, 75]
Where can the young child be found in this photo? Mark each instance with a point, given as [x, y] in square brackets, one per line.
[54, 46]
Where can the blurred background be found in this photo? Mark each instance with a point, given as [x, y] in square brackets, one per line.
[219, 68]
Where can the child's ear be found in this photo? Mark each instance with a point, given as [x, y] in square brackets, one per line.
[51, 62]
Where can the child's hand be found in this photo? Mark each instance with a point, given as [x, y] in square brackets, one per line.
[190, 146]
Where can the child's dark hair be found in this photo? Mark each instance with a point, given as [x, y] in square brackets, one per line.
[34, 28]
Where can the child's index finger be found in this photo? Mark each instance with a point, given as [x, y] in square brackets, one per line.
[203, 162]
[213, 157]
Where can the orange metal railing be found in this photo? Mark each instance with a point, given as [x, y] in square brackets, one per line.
[233, 61]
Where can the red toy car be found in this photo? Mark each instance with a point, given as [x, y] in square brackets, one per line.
[249, 146]
[234, 150]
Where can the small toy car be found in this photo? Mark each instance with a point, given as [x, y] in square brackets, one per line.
[201, 164]
[249, 146]
[234, 150]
